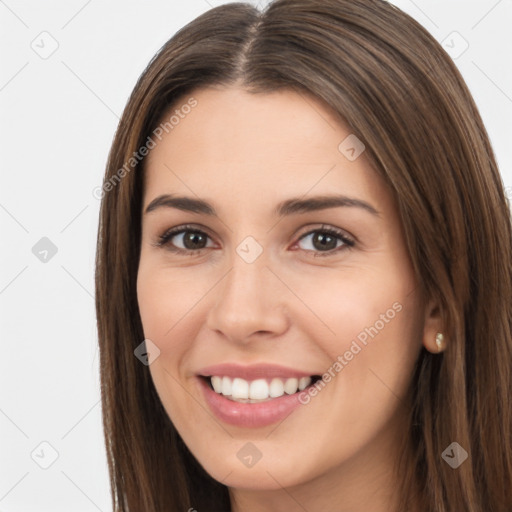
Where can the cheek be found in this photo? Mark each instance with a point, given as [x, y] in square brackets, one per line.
[164, 302]
[354, 304]
[170, 301]
[371, 335]
[165, 297]
[372, 354]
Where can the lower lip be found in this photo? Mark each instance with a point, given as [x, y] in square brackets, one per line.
[249, 415]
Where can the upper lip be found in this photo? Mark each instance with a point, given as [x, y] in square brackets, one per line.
[252, 372]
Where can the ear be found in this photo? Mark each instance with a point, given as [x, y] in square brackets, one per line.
[433, 339]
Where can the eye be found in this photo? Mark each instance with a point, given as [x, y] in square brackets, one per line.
[191, 239]
[325, 241]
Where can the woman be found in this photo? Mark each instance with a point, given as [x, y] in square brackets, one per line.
[303, 272]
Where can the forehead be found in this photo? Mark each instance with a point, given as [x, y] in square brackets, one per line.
[229, 120]
[255, 146]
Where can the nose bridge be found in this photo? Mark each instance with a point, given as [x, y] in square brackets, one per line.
[246, 299]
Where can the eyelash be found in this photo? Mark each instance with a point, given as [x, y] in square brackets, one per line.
[164, 240]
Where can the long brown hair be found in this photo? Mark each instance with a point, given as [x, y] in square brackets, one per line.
[401, 94]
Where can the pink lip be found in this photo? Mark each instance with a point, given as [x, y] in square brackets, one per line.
[252, 372]
[245, 414]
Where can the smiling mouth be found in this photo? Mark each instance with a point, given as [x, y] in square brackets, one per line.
[260, 390]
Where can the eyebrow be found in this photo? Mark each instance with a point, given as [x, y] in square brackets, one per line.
[287, 207]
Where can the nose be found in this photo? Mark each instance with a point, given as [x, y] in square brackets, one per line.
[250, 303]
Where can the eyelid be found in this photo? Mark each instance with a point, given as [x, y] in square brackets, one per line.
[329, 229]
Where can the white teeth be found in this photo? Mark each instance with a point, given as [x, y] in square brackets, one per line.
[240, 388]
[304, 382]
[226, 386]
[290, 386]
[276, 388]
[260, 389]
[217, 384]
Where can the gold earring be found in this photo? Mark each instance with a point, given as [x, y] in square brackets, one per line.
[440, 341]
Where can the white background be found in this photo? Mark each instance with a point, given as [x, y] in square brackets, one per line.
[58, 116]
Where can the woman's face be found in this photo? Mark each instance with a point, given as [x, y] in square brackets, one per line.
[252, 291]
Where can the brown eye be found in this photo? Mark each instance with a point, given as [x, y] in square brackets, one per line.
[326, 240]
[194, 240]
[183, 239]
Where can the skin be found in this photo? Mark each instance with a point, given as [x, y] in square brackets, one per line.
[245, 153]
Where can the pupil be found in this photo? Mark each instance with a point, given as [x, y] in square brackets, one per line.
[193, 239]
[323, 240]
